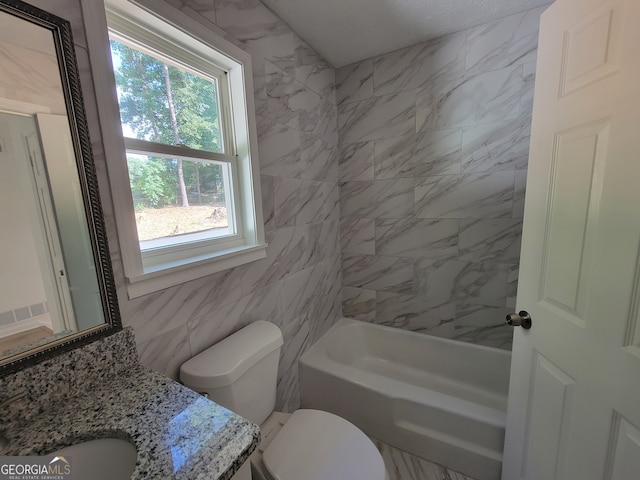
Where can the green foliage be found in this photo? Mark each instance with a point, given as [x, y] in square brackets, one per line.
[148, 179]
[145, 111]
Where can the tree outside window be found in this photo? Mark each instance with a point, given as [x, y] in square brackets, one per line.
[165, 104]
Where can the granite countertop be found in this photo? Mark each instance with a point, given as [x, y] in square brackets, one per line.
[178, 433]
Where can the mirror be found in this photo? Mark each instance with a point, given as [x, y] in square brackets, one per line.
[56, 282]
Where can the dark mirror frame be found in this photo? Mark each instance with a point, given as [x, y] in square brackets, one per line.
[62, 38]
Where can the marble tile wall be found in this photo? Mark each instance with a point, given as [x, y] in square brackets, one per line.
[423, 150]
[297, 286]
[433, 145]
[31, 76]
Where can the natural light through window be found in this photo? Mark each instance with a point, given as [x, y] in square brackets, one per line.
[164, 104]
[187, 190]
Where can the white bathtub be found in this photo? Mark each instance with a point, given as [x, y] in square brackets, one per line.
[439, 399]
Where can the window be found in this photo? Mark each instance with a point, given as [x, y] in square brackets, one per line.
[191, 152]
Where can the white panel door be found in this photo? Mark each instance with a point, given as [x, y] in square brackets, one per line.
[574, 398]
[49, 248]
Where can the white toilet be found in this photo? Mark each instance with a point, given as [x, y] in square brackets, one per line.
[240, 373]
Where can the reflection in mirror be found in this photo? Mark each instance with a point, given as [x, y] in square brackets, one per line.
[49, 284]
[56, 284]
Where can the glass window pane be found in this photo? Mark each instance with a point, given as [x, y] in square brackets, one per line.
[162, 103]
[167, 207]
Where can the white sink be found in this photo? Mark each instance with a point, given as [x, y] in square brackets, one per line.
[101, 459]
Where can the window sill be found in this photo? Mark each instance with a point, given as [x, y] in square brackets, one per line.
[169, 275]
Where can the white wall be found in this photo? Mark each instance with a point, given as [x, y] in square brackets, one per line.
[20, 277]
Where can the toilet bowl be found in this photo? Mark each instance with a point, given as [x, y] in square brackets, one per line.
[240, 373]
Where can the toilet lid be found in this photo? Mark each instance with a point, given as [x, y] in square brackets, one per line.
[316, 445]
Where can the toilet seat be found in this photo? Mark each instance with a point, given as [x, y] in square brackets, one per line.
[317, 445]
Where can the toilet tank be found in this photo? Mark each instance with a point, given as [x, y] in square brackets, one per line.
[239, 372]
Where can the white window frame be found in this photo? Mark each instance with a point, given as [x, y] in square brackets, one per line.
[158, 270]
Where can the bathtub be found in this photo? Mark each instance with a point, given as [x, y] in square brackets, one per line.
[439, 399]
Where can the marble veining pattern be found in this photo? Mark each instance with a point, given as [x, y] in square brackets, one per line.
[502, 43]
[157, 313]
[453, 286]
[401, 465]
[421, 155]
[497, 240]
[512, 286]
[415, 313]
[497, 146]
[374, 272]
[477, 324]
[528, 84]
[518, 193]
[473, 195]
[297, 296]
[168, 350]
[464, 163]
[221, 322]
[299, 202]
[250, 22]
[304, 128]
[455, 280]
[319, 156]
[203, 7]
[377, 198]
[177, 323]
[312, 70]
[31, 76]
[354, 82]
[470, 100]
[378, 117]
[296, 117]
[358, 235]
[356, 161]
[290, 250]
[268, 207]
[289, 102]
[280, 152]
[359, 303]
[409, 68]
[417, 237]
[327, 122]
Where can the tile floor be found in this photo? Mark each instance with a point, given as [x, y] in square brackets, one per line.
[404, 466]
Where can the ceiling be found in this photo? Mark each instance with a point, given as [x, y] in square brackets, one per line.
[346, 31]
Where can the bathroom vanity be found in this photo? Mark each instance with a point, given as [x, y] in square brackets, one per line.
[101, 391]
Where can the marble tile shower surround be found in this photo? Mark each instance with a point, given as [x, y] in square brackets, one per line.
[297, 286]
[30, 76]
[307, 163]
[433, 151]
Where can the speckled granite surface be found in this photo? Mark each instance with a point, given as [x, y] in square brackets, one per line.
[101, 391]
